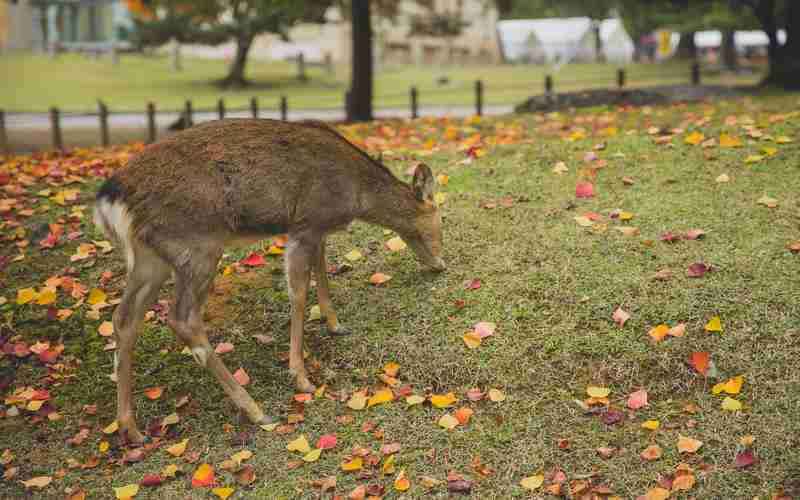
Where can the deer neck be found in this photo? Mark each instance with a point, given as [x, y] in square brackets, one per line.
[388, 203]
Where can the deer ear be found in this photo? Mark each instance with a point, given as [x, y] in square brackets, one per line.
[423, 183]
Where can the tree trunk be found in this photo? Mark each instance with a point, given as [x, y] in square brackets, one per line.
[360, 102]
[784, 62]
[686, 46]
[729, 55]
[235, 76]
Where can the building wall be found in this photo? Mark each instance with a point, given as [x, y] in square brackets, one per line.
[16, 25]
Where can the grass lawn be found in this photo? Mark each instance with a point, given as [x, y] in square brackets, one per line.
[74, 83]
[550, 283]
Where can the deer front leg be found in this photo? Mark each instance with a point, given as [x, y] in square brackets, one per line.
[323, 293]
[298, 272]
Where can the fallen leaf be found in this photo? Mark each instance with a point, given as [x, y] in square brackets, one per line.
[714, 325]
[652, 452]
[299, 444]
[414, 400]
[767, 201]
[731, 386]
[353, 465]
[111, 428]
[224, 348]
[532, 482]
[106, 329]
[584, 190]
[463, 415]
[401, 482]
[223, 493]
[657, 333]
[700, 361]
[151, 480]
[688, 445]
[37, 482]
[683, 482]
[694, 138]
[203, 477]
[620, 316]
[729, 141]
[379, 278]
[678, 330]
[745, 459]
[697, 270]
[358, 401]
[312, 456]
[381, 396]
[448, 421]
[353, 255]
[327, 442]
[128, 491]
[443, 400]
[471, 340]
[656, 494]
[651, 425]
[154, 392]
[496, 396]
[26, 295]
[177, 449]
[722, 178]
[598, 392]
[396, 244]
[637, 399]
[731, 404]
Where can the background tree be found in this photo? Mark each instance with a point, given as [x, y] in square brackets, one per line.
[214, 22]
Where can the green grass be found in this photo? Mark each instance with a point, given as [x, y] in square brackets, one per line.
[550, 285]
[74, 83]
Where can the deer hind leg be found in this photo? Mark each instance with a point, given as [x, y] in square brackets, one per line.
[144, 281]
[299, 259]
[193, 278]
[324, 295]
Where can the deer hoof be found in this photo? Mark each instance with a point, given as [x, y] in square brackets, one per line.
[303, 385]
[339, 331]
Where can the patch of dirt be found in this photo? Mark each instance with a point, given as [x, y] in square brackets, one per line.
[637, 97]
[227, 287]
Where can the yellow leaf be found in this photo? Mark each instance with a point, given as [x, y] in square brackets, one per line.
[657, 494]
[353, 465]
[440, 198]
[625, 215]
[443, 400]
[46, 296]
[103, 446]
[471, 339]
[768, 151]
[358, 401]
[560, 168]
[729, 141]
[170, 419]
[401, 482]
[651, 424]
[694, 138]
[414, 400]
[388, 465]
[223, 493]
[106, 329]
[753, 159]
[96, 296]
[269, 427]
[26, 295]
[688, 445]
[227, 271]
[598, 392]
[714, 325]
[448, 421]
[313, 455]
[782, 139]
[314, 314]
[731, 404]
[532, 482]
[58, 198]
[111, 428]
[396, 244]
[274, 250]
[731, 386]
[170, 470]
[300, 444]
[35, 405]
[391, 368]
[128, 491]
[496, 395]
[747, 440]
[442, 179]
[177, 450]
[722, 178]
[380, 397]
[353, 255]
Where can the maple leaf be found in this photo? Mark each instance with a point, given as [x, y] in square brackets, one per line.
[637, 400]
[688, 445]
[203, 477]
[254, 260]
[700, 361]
[584, 190]
[652, 452]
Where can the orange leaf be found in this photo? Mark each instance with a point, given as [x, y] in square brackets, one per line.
[203, 477]
[154, 392]
[700, 362]
[463, 415]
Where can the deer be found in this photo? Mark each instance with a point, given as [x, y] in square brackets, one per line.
[180, 202]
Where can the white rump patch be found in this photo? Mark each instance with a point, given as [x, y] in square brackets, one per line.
[114, 217]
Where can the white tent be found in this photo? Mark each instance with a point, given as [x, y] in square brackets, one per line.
[562, 40]
[712, 39]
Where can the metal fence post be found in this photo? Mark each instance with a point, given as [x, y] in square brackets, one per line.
[695, 73]
[621, 78]
[187, 114]
[301, 67]
[548, 84]
[4, 148]
[414, 103]
[151, 122]
[221, 108]
[102, 114]
[284, 108]
[55, 126]
[254, 106]
[479, 98]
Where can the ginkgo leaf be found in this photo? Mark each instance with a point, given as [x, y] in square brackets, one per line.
[532, 482]
[26, 295]
[313, 455]
[731, 404]
[177, 449]
[128, 491]
[300, 444]
[443, 400]
[731, 386]
[651, 425]
[714, 325]
[353, 465]
[223, 493]
[380, 397]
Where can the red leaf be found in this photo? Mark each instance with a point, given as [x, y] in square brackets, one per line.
[254, 260]
[669, 237]
[584, 190]
[697, 270]
[694, 234]
[745, 459]
[242, 377]
[700, 361]
[152, 480]
[327, 441]
[637, 399]
[472, 284]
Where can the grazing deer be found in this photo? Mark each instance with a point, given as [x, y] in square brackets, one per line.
[181, 201]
